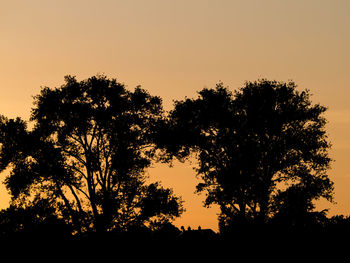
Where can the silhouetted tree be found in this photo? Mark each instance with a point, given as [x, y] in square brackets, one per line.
[254, 146]
[87, 153]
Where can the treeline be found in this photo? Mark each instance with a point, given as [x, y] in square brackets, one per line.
[79, 172]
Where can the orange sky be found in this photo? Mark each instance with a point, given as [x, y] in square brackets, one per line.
[174, 48]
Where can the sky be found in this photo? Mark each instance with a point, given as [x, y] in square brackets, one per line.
[174, 48]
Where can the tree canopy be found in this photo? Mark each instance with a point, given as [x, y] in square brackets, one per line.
[87, 153]
[255, 146]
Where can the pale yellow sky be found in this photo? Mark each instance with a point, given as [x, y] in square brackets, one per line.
[174, 48]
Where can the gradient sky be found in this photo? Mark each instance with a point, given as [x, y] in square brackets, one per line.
[174, 48]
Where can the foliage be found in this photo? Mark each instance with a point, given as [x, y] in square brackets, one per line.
[254, 146]
[91, 143]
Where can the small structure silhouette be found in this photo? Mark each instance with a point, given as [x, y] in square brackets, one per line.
[197, 234]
